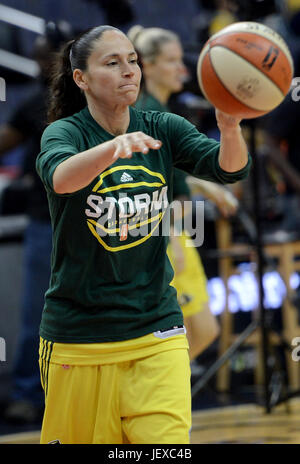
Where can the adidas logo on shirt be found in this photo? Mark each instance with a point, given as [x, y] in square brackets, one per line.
[126, 177]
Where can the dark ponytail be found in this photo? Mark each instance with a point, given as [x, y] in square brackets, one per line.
[66, 98]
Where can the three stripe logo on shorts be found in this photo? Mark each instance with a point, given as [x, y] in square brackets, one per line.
[46, 350]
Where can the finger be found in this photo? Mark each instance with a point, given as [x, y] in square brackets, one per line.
[154, 143]
[139, 144]
[116, 154]
[144, 143]
[121, 153]
[124, 149]
[149, 141]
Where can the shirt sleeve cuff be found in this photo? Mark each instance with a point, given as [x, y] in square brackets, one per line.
[231, 177]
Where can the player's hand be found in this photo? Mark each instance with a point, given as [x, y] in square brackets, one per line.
[226, 121]
[127, 144]
[227, 204]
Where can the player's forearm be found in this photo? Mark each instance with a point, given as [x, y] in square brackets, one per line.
[233, 155]
[79, 170]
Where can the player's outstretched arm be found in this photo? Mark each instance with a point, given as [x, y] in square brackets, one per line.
[79, 170]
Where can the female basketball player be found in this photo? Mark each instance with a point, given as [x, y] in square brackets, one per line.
[161, 54]
[114, 355]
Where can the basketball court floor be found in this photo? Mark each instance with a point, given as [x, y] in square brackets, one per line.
[246, 424]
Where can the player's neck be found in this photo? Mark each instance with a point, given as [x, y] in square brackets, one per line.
[113, 120]
[160, 93]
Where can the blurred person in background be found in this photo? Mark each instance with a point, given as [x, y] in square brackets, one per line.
[161, 55]
[223, 16]
[25, 127]
[286, 21]
[280, 127]
[281, 139]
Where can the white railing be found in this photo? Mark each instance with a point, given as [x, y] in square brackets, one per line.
[18, 63]
[20, 19]
[25, 21]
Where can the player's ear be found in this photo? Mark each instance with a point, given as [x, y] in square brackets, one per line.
[80, 79]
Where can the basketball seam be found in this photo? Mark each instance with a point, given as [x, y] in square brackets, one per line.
[245, 104]
[199, 66]
[253, 66]
[255, 33]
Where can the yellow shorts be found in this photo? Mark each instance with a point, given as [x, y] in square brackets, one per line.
[137, 391]
[191, 283]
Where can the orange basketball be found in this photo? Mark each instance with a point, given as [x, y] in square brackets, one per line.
[245, 70]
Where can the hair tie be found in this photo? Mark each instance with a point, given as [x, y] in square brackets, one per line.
[71, 54]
